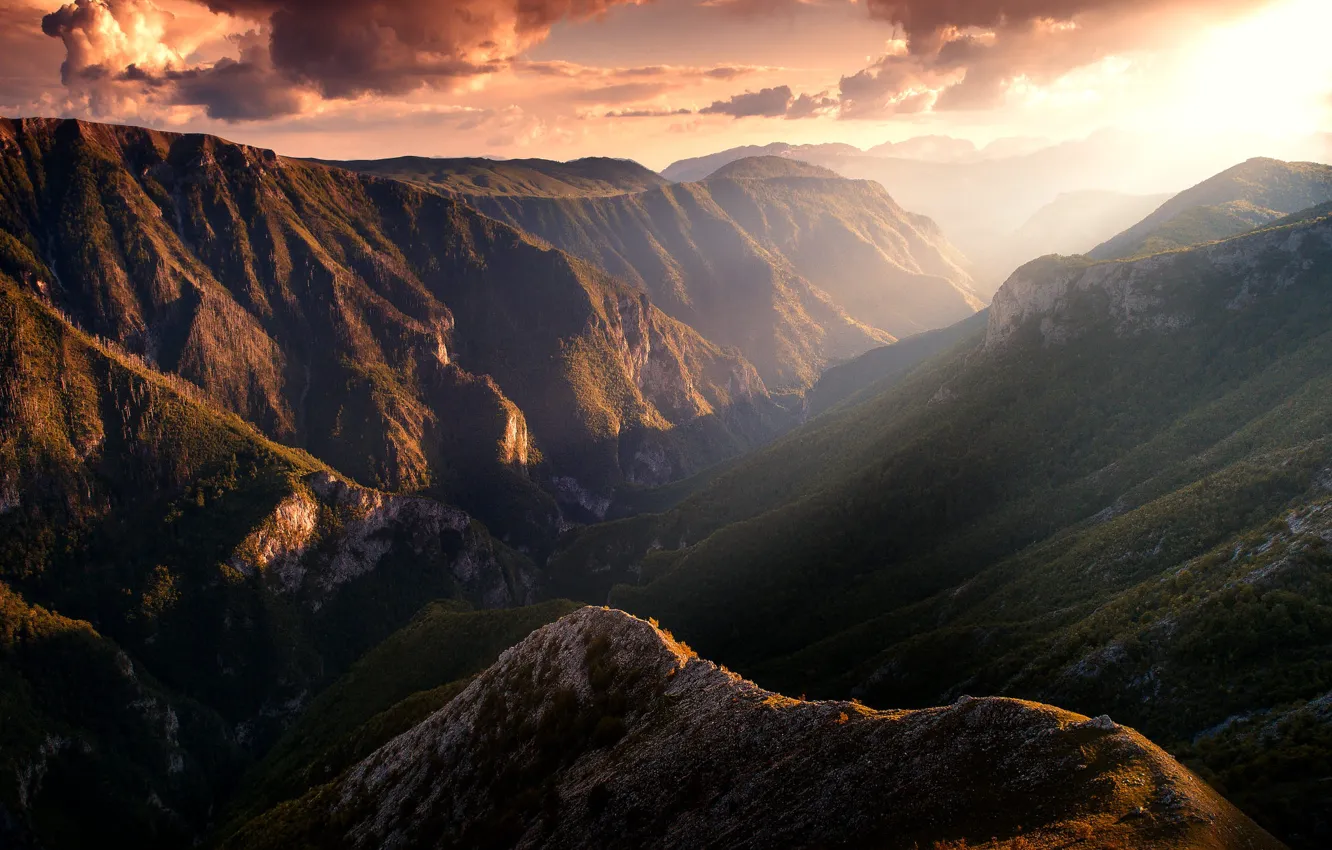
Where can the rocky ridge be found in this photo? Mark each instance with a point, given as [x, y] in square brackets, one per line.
[602, 730]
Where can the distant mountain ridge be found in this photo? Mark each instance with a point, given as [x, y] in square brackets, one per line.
[769, 168]
[698, 168]
[793, 270]
[534, 177]
[983, 201]
[1251, 194]
[1075, 222]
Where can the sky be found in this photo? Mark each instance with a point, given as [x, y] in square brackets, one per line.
[659, 80]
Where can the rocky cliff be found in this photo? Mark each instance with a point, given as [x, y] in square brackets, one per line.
[1057, 298]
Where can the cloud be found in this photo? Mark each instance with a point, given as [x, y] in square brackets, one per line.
[810, 105]
[953, 55]
[297, 50]
[772, 102]
[757, 8]
[647, 113]
[621, 93]
[573, 70]
[243, 89]
[967, 54]
[284, 57]
[775, 102]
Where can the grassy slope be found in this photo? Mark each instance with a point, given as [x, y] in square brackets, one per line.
[1251, 194]
[87, 433]
[874, 371]
[941, 535]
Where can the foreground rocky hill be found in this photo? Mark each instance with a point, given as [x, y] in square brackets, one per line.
[602, 730]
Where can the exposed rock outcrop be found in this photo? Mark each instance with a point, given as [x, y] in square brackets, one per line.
[329, 531]
[1060, 296]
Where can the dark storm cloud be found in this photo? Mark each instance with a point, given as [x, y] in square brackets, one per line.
[328, 48]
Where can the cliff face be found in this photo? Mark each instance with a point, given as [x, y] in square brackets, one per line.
[394, 333]
[1057, 298]
[601, 730]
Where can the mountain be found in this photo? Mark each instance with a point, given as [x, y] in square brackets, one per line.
[989, 201]
[173, 585]
[924, 148]
[394, 333]
[769, 168]
[535, 177]
[1073, 223]
[86, 731]
[699, 167]
[1251, 194]
[1110, 499]
[602, 730]
[792, 266]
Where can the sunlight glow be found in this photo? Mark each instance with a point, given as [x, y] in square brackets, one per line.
[1271, 71]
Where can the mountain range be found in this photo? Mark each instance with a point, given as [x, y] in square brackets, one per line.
[315, 477]
[990, 202]
[398, 335]
[791, 265]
